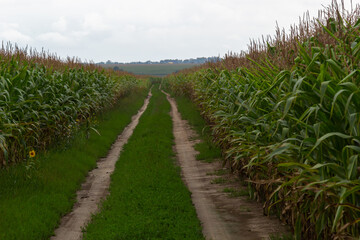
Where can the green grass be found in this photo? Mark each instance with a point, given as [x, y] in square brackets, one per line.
[244, 209]
[208, 152]
[236, 193]
[158, 70]
[281, 237]
[34, 195]
[219, 172]
[219, 180]
[148, 199]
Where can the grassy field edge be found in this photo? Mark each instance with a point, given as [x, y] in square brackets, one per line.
[34, 195]
[208, 151]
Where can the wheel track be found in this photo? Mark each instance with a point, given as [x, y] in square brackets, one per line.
[222, 217]
[95, 188]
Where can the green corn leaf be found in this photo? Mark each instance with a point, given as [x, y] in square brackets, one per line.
[349, 76]
[352, 167]
[288, 104]
[353, 147]
[336, 68]
[295, 165]
[320, 165]
[351, 86]
[339, 210]
[334, 100]
[323, 88]
[355, 189]
[313, 61]
[348, 102]
[328, 135]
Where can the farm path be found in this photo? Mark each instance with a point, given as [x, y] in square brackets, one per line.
[221, 216]
[96, 185]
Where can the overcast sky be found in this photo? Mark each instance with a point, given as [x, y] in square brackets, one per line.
[140, 30]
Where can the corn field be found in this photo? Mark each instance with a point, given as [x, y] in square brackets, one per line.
[44, 99]
[287, 116]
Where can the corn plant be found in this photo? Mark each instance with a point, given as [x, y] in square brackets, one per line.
[43, 99]
[292, 127]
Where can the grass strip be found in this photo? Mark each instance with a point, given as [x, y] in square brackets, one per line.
[148, 199]
[208, 151]
[34, 195]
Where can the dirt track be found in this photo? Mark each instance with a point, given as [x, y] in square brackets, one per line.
[222, 217]
[95, 188]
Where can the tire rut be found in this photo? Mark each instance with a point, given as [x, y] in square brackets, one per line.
[221, 216]
[95, 188]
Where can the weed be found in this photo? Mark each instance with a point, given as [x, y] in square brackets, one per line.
[219, 180]
[207, 152]
[244, 209]
[281, 237]
[236, 193]
[218, 172]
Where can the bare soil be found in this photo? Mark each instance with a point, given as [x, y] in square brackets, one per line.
[222, 216]
[95, 187]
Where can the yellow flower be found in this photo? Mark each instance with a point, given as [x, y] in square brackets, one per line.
[77, 120]
[32, 153]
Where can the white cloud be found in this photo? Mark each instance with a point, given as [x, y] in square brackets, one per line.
[14, 36]
[54, 37]
[10, 32]
[79, 35]
[123, 30]
[94, 22]
[60, 25]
